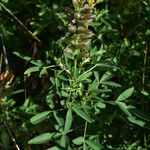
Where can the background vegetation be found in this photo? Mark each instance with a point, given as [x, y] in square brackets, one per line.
[75, 82]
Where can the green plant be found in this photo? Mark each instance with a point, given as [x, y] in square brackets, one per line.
[81, 92]
[82, 87]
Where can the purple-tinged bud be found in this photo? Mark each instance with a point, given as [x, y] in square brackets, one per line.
[77, 15]
[72, 28]
[67, 51]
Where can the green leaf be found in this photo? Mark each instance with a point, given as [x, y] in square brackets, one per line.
[53, 148]
[124, 108]
[44, 138]
[136, 121]
[32, 69]
[100, 105]
[96, 74]
[5, 1]
[62, 77]
[138, 113]
[68, 121]
[58, 118]
[87, 74]
[102, 65]
[108, 75]
[49, 100]
[84, 76]
[64, 141]
[124, 95]
[145, 93]
[52, 79]
[43, 72]
[78, 141]
[59, 128]
[5, 140]
[134, 145]
[94, 145]
[111, 83]
[94, 85]
[64, 93]
[81, 113]
[39, 117]
[27, 58]
[18, 91]
[57, 82]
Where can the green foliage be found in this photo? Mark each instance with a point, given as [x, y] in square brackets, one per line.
[81, 72]
[39, 117]
[127, 93]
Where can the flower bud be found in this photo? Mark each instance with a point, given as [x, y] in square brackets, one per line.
[72, 28]
[67, 51]
[77, 15]
[75, 3]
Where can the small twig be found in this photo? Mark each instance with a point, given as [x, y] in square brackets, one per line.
[11, 135]
[1, 61]
[25, 87]
[144, 65]
[4, 51]
[29, 33]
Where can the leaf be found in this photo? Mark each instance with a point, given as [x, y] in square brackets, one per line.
[100, 105]
[58, 118]
[53, 148]
[64, 141]
[78, 141]
[59, 128]
[43, 72]
[52, 79]
[124, 108]
[108, 75]
[57, 82]
[94, 145]
[134, 145]
[27, 58]
[96, 74]
[5, 1]
[94, 85]
[68, 121]
[81, 113]
[49, 100]
[64, 93]
[111, 83]
[136, 121]
[145, 93]
[62, 77]
[124, 95]
[32, 69]
[39, 117]
[18, 91]
[84, 76]
[138, 113]
[44, 138]
[5, 140]
[102, 65]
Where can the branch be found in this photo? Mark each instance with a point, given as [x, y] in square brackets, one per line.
[29, 33]
[11, 135]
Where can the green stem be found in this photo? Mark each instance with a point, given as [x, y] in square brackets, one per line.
[84, 136]
[75, 69]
